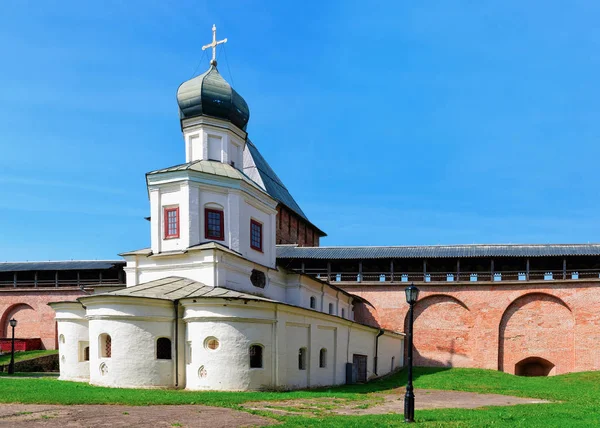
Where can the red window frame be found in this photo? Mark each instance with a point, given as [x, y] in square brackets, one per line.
[166, 212]
[255, 223]
[221, 237]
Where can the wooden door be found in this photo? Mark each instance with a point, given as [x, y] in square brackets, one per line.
[360, 367]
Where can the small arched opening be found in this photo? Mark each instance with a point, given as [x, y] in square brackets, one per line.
[534, 366]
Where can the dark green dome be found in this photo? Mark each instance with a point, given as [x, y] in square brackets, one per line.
[210, 95]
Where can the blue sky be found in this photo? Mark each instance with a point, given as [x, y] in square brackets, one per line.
[393, 123]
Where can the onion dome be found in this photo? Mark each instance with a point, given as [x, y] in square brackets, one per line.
[210, 95]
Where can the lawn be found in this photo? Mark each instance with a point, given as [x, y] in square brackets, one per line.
[25, 355]
[576, 398]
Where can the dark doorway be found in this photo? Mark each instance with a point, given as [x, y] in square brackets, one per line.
[360, 366]
[533, 366]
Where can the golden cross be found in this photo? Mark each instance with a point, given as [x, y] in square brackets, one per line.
[213, 45]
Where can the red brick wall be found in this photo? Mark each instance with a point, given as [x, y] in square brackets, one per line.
[496, 326]
[35, 319]
[291, 229]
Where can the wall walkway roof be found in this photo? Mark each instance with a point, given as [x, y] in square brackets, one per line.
[60, 265]
[437, 251]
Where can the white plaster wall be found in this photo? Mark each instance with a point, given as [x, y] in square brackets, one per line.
[390, 346]
[73, 326]
[237, 326]
[201, 134]
[134, 327]
[251, 211]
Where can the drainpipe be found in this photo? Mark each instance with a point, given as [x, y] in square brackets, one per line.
[376, 350]
[176, 341]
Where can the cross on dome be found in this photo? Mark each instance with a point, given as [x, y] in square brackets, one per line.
[213, 45]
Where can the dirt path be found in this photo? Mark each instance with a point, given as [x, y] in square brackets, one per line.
[34, 415]
[390, 402]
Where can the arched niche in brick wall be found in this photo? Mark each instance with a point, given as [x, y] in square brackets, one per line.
[27, 321]
[442, 330]
[536, 326]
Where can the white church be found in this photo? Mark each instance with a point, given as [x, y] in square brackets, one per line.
[206, 307]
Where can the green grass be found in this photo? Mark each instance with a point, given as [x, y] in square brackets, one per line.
[576, 399]
[25, 355]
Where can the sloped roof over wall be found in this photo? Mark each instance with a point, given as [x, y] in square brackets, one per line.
[274, 186]
[437, 251]
[177, 288]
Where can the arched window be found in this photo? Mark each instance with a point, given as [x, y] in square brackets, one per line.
[343, 313]
[331, 308]
[61, 338]
[105, 346]
[256, 356]
[163, 348]
[302, 359]
[313, 302]
[393, 363]
[323, 358]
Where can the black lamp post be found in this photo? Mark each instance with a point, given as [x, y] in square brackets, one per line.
[11, 365]
[412, 294]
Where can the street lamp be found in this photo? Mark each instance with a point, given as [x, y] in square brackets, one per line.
[11, 365]
[412, 294]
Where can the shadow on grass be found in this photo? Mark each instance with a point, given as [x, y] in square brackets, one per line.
[392, 381]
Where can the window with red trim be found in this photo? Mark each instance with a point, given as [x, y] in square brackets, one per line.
[255, 235]
[213, 224]
[171, 216]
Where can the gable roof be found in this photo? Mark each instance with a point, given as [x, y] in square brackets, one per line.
[275, 187]
[437, 251]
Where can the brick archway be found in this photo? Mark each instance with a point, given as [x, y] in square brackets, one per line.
[538, 327]
[441, 332]
[28, 321]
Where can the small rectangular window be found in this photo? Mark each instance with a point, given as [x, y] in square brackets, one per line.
[255, 235]
[213, 224]
[302, 359]
[171, 216]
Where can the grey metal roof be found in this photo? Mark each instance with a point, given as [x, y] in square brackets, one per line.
[274, 186]
[437, 251]
[177, 288]
[210, 167]
[60, 265]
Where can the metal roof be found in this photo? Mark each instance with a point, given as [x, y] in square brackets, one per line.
[210, 167]
[274, 186]
[210, 95]
[437, 251]
[60, 265]
[177, 288]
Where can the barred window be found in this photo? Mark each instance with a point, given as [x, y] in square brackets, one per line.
[313, 302]
[171, 216]
[213, 224]
[255, 235]
[105, 346]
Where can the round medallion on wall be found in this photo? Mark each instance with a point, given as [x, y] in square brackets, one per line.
[258, 278]
[211, 343]
[103, 369]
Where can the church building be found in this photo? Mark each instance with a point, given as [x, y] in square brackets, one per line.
[207, 306]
